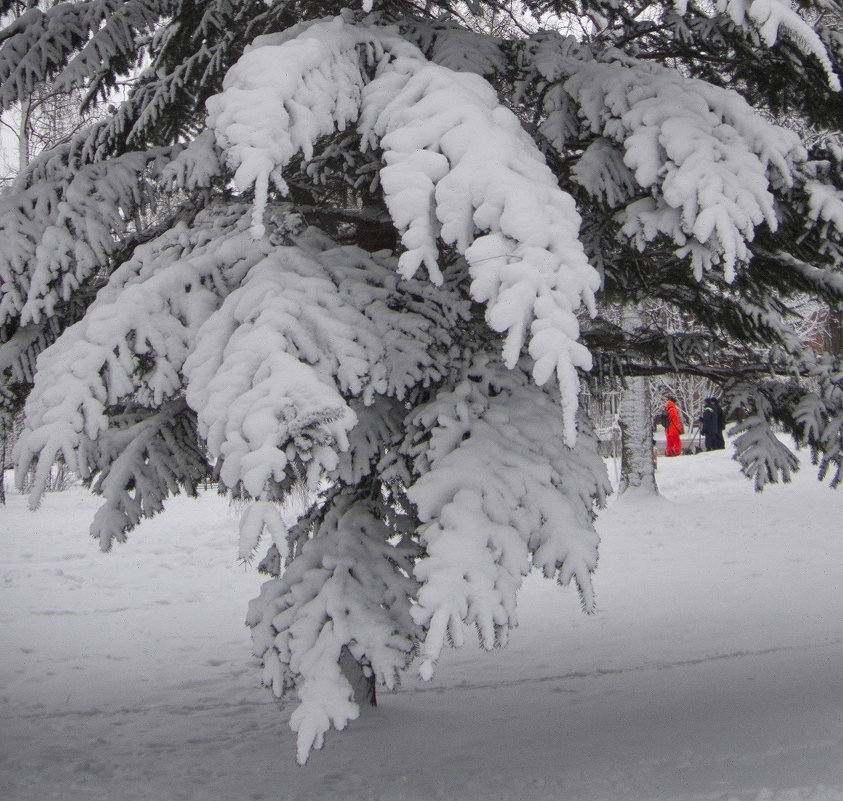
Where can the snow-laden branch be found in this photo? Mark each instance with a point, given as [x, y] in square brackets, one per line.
[677, 157]
[143, 458]
[279, 99]
[708, 162]
[349, 588]
[132, 344]
[499, 493]
[771, 18]
[310, 327]
[458, 167]
[39, 43]
[450, 45]
[825, 206]
[60, 231]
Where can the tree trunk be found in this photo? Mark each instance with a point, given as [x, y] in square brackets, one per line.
[638, 464]
[835, 330]
[362, 685]
[3, 441]
[23, 135]
[638, 468]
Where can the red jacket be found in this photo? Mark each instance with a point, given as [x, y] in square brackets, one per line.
[674, 426]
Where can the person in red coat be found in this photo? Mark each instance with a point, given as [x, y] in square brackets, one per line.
[673, 444]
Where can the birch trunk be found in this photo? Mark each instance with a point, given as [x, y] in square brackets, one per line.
[638, 464]
[638, 468]
[23, 135]
[3, 441]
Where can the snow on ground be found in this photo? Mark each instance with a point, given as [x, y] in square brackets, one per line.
[713, 668]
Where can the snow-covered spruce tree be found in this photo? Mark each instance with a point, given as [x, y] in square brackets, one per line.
[366, 265]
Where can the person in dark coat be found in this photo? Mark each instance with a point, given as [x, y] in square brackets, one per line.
[713, 425]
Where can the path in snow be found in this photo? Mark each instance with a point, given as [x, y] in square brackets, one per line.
[712, 670]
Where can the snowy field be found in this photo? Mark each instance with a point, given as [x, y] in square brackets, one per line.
[713, 668]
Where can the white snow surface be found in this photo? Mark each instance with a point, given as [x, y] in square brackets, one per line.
[712, 669]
